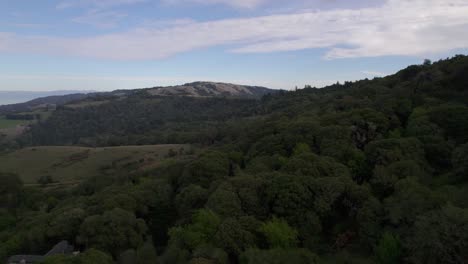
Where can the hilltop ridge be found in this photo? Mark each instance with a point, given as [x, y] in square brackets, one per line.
[212, 89]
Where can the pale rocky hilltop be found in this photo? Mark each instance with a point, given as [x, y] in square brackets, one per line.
[211, 89]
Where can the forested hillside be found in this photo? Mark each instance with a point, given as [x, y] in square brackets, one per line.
[374, 171]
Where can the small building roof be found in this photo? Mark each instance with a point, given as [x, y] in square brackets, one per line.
[62, 247]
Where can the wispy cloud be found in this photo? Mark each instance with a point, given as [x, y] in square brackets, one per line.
[27, 25]
[100, 13]
[100, 19]
[96, 3]
[234, 3]
[399, 27]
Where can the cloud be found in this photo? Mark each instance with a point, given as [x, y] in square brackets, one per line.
[249, 4]
[96, 3]
[100, 19]
[276, 6]
[399, 27]
[100, 12]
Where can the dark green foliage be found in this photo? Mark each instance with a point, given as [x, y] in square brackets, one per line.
[440, 236]
[146, 254]
[209, 167]
[90, 256]
[190, 198]
[279, 256]
[388, 250]
[112, 231]
[139, 120]
[10, 190]
[225, 202]
[66, 224]
[236, 235]
[387, 151]
[460, 161]
[279, 234]
[201, 231]
[409, 200]
[46, 179]
[385, 177]
[209, 254]
[453, 119]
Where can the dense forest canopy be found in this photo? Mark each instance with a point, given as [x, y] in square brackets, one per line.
[374, 171]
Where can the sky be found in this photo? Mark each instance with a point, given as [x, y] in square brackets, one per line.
[123, 44]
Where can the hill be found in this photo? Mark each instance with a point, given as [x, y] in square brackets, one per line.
[212, 89]
[41, 102]
[373, 171]
[12, 102]
[16, 97]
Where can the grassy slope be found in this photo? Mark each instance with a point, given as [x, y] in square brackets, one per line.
[71, 164]
[13, 128]
[5, 123]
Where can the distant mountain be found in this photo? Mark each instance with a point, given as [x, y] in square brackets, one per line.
[212, 89]
[196, 89]
[41, 102]
[15, 97]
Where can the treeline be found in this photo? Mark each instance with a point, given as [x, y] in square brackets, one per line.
[23, 116]
[140, 120]
[368, 172]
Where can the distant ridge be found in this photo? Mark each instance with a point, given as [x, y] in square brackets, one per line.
[15, 97]
[195, 89]
[212, 89]
[42, 101]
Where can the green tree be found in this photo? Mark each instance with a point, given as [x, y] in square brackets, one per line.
[201, 231]
[236, 235]
[93, 256]
[146, 254]
[460, 162]
[224, 201]
[279, 234]
[207, 168]
[385, 177]
[388, 250]
[279, 256]
[439, 236]
[90, 256]
[190, 198]
[65, 224]
[210, 254]
[409, 200]
[113, 231]
[387, 151]
[10, 191]
[453, 118]
[301, 148]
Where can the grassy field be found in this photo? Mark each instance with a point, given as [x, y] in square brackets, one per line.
[72, 164]
[6, 123]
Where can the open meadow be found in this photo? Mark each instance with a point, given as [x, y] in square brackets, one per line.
[69, 164]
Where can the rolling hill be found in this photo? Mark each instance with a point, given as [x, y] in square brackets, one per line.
[212, 89]
[18, 97]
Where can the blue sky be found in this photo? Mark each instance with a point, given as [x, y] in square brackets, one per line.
[119, 44]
